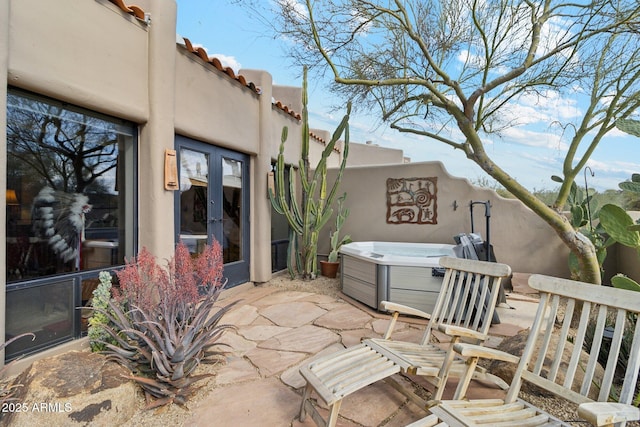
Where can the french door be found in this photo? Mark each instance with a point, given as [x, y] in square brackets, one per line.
[213, 203]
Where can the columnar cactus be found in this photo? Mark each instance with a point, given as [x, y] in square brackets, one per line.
[307, 217]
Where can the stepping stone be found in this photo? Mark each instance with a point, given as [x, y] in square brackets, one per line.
[281, 297]
[307, 339]
[321, 299]
[243, 315]
[380, 400]
[344, 317]
[353, 337]
[251, 404]
[261, 332]
[381, 325]
[236, 370]
[236, 344]
[272, 362]
[292, 314]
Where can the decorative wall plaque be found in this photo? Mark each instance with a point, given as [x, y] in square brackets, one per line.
[412, 200]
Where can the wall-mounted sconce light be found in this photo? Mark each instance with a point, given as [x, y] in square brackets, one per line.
[170, 170]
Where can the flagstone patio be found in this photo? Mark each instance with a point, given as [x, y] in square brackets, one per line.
[278, 330]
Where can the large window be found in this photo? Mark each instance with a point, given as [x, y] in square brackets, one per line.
[69, 187]
[70, 208]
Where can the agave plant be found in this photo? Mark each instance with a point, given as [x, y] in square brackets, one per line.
[164, 331]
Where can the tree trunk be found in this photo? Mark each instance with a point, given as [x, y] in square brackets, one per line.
[577, 242]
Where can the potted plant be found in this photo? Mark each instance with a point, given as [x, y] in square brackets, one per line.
[329, 268]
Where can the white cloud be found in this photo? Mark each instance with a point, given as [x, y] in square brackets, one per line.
[531, 138]
[228, 61]
[293, 5]
[225, 60]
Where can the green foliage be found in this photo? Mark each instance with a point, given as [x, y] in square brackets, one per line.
[623, 282]
[630, 192]
[307, 217]
[100, 303]
[583, 211]
[336, 241]
[621, 228]
[165, 323]
[619, 225]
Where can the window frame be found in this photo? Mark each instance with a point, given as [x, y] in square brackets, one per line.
[130, 226]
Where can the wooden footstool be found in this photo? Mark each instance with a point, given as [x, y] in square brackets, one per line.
[338, 375]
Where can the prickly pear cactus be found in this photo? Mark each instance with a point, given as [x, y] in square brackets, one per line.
[629, 126]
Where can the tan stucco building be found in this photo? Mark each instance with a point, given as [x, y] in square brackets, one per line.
[120, 135]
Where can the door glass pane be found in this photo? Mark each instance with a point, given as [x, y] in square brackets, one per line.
[232, 209]
[194, 214]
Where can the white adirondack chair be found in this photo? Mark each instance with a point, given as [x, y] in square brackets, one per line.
[598, 309]
[463, 310]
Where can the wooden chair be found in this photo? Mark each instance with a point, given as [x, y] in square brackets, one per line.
[569, 311]
[463, 310]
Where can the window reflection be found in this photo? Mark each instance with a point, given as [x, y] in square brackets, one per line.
[232, 209]
[46, 310]
[194, 214]
[70, 184]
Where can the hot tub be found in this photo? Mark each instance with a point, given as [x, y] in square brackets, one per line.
[403, 273]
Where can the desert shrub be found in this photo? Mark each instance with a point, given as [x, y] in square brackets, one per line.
[164, 322]
[96, 331]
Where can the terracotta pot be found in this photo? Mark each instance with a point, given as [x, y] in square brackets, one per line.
[329, 269]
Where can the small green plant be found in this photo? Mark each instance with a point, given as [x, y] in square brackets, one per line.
[100, 303]
[336, 241]
[164, 322]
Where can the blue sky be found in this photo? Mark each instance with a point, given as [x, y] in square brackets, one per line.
[531, 153]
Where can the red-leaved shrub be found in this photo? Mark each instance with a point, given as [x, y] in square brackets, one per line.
[165, 322]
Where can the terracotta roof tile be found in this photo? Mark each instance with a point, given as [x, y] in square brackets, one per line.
[287, 110]
[139, 13]
[317, 138]
[131, 9]
[321, 140]
[202, 54]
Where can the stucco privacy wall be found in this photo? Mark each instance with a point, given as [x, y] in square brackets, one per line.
[203, 94]
[60, 49]
[519, 237]
[369, 154]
